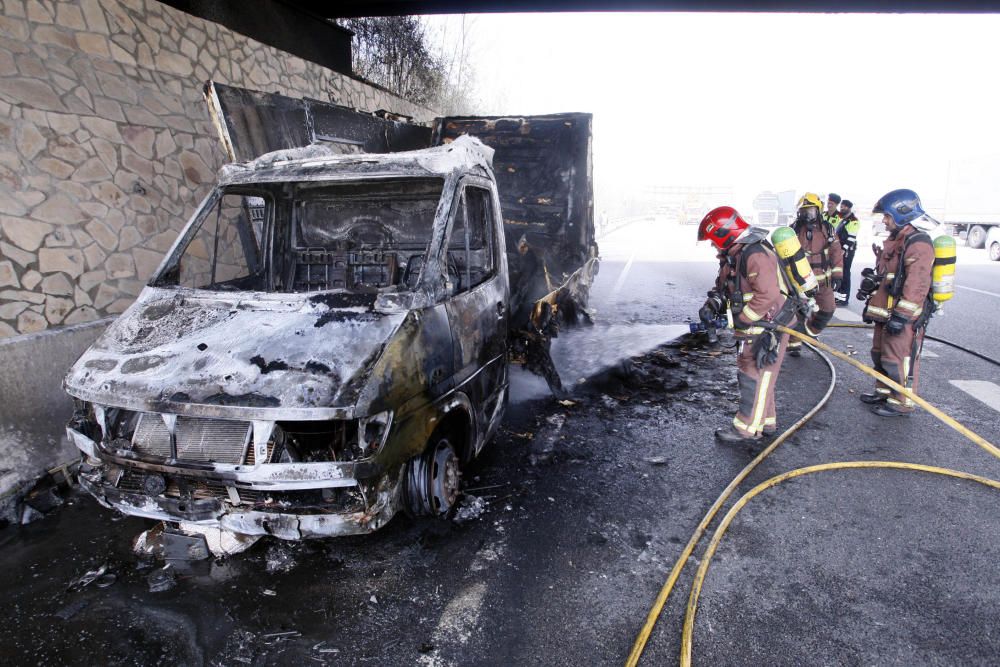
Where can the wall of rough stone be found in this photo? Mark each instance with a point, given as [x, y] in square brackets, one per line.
[106, 146]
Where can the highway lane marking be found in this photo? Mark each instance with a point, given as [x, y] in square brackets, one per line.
[622, 277]
[456, 624]
[981, 390]
[847, 315]
[981, 291]
[460, 617]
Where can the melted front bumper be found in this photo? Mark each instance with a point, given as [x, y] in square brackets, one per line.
[282, 522]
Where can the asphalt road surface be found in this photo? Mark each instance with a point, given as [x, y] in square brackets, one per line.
[573, 517]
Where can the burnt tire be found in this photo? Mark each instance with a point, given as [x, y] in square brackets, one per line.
[432, 481]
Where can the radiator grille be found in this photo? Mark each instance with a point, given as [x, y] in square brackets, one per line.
[205, 440]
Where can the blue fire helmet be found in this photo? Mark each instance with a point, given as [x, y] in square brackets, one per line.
[902, 205]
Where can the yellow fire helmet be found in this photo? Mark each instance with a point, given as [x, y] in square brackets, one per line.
[810, 199]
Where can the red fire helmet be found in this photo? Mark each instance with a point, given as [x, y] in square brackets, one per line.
[721, 226]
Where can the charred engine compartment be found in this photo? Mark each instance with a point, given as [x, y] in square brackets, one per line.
[146, 456]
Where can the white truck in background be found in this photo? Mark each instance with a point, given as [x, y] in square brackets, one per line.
[774, 209]
[971, 204]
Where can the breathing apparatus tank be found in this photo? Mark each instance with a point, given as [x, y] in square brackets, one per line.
[793, 260]
[943, 282]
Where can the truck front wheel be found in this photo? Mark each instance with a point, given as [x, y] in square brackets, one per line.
[432, 480]
[995, 251]
[977, 236]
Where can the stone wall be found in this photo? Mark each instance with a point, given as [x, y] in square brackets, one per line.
[106, 146]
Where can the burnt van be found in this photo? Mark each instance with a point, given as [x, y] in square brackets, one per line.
[327, 342]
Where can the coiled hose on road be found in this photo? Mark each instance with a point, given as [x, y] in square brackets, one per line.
[661, 599]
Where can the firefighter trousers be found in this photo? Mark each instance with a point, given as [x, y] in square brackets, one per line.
[818, 320]
[897, 357]
[756, 413]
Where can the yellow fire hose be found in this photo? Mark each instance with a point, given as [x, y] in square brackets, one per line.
[979, 440]
[661, 599]
[699, 577]
[668, 586]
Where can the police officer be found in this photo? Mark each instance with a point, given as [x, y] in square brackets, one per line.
[819, 241]
[898, 295]
[847, 234]
[832, 213]
[748, 288]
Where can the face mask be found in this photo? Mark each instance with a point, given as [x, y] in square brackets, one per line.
[809, 214]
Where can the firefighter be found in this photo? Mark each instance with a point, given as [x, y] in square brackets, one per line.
[819, 241]
[748, 288]
[899, 301]
[847, 234]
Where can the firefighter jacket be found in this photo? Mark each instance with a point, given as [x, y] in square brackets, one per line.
[847, 231]
[905, 267]
[822, 249]
[750, 280]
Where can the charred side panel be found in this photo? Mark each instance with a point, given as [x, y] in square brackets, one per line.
[543, 172]
[258, 123]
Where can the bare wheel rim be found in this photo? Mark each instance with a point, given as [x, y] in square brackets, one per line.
[443, 478]
[432, 481]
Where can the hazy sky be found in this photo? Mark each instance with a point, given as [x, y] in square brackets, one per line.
[856, 104]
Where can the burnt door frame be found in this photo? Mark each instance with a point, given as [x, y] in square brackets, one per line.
[478, 316]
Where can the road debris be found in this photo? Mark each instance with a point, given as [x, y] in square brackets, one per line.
[89, 577]
[162, 580]
[279, 559]
[322, 648]
[472, 508]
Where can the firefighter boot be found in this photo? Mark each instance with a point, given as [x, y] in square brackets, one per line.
[873, 398]
[889, 410]
[730, 436]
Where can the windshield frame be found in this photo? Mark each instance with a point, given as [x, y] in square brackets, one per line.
[167, 275]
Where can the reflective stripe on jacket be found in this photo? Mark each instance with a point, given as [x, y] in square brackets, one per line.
[918, 261]
[822, 249]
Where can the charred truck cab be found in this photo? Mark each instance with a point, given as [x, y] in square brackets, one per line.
[324, 345]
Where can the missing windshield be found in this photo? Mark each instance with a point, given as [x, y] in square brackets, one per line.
[224, 247]
[362, 235]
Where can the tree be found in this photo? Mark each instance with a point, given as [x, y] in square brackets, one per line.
[400, 54]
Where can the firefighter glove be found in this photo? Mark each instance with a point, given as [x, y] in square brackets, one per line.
[712, 307]
[835, 283]
[895, 325]
[869, 283]
[765, 348]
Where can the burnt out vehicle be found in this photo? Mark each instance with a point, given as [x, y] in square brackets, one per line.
[326, 343]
